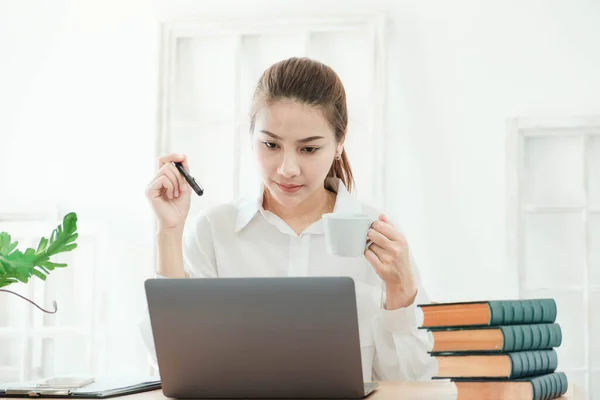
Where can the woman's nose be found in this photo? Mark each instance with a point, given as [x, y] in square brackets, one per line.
[289, 166]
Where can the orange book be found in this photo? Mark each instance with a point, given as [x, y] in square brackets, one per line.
[542, 387]
[488, 313]
[518, 364]
[505, 338]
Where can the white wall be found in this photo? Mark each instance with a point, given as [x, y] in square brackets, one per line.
[78, 94]
[461, 69]
[78, 86]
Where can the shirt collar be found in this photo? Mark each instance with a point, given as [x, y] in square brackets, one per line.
[345, 202]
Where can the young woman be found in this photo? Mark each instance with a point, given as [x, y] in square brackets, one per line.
[298, 126]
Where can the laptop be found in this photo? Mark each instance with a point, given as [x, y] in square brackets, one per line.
[237, 338]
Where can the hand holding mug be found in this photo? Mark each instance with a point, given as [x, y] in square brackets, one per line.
[386, 249]
[389, 256]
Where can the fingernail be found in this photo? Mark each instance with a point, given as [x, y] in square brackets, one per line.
[176, 193]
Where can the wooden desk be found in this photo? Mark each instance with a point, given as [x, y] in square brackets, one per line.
[392, 391]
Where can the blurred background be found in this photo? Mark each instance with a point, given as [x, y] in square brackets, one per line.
[475, 124]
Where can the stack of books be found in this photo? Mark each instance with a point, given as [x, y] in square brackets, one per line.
[501, 349]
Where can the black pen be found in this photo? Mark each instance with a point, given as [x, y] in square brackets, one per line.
[190, 179]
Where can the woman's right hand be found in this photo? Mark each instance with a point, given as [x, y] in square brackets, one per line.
[169, 194]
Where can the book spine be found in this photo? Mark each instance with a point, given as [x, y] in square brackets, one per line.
[531, 337]
[550, 386]
[531, 363]
[514, 312]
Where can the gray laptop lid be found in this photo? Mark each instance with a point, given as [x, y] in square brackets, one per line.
[256, 337]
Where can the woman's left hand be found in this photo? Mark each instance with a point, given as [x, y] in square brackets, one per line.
[389, 256]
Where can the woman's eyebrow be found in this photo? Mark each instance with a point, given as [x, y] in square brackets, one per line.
[310, 139]
[305, 140]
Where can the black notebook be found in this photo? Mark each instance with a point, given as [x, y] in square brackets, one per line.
[102, 387]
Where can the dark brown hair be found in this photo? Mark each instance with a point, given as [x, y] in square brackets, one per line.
[312, 83]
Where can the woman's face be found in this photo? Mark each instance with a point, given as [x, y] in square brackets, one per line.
[295, 148]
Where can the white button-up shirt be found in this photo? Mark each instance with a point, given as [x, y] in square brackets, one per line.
[242, 239]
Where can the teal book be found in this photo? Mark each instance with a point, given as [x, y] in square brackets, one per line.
[513, 365]
[488, 313]
[541, 387]
[501, 339]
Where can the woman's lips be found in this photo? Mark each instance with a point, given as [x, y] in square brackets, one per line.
[289, 188]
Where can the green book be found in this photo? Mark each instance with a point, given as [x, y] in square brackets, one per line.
[488, 313]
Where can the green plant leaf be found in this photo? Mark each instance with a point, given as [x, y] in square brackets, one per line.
[18, 266]
[38, 274]
[51, 265]
[8, 281]
[17, 259]
[5, 245]
[42, 246]
[61, 237]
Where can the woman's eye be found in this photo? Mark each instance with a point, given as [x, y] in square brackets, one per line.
[310, 149]
[270, 145]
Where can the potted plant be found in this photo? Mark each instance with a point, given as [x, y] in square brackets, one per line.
[19, 266]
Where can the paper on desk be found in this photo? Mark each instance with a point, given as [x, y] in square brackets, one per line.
[101, 384]
[111, 383]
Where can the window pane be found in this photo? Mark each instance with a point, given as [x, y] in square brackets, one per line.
[204, 86]
[554, 250]
[11, 353]
[210, 152]
[13, 308]
[258, 52]
[60, 355]
[554, 171]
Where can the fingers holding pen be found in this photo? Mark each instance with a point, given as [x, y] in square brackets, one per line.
[167, 168]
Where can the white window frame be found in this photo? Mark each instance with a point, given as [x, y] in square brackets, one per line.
[518, 130]
[173, 30]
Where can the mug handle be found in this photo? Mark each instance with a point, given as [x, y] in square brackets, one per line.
[369, 242]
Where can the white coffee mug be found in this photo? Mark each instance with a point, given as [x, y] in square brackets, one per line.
[346, 234]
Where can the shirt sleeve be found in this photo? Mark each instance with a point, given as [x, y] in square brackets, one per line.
[199, 261]
[401, 349]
